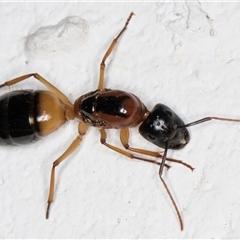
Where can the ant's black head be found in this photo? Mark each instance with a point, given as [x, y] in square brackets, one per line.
[161, 126]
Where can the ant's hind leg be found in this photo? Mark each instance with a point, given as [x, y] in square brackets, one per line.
[82, 129]
[38, 77]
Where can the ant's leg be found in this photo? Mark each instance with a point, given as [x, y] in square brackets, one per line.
[124, 137]
[125, 153]
[82, 129]
[130, 155]
[47, 84]
[114, 42]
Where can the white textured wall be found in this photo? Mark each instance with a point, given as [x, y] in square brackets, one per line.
[185, 55]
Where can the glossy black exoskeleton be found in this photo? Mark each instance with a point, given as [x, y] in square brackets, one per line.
[161, 126]
[164, 128]
[27, 115]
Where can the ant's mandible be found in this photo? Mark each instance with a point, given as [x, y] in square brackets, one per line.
[27, 115]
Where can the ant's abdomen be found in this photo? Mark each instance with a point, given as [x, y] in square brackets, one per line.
[27, 115]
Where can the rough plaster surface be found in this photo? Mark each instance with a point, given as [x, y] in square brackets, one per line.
[185, 55]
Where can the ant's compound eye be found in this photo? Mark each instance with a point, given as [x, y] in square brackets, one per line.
[150, 137]
[169, 113]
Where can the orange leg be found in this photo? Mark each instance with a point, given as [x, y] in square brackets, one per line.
[111, 47]
[82, 129]
[130, 155]
[124, 152]
[69, 112]
[124, 137]
[47, 84]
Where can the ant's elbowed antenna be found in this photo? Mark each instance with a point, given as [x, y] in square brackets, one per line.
[169, 131]
[208, 119]
[164, 128]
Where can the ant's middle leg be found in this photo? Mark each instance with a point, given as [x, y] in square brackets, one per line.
[111, 47]
[130, 155]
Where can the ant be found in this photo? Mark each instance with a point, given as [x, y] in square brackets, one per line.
[27, 115]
